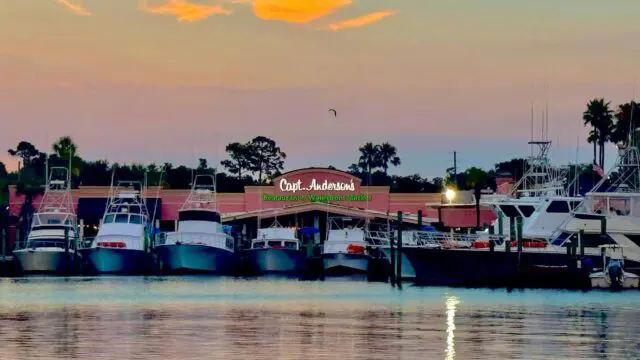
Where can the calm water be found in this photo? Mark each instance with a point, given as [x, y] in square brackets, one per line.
[226, 318]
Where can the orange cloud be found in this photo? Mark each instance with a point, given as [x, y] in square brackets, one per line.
[296, 11]
[361, 20]
[185, 11]
[75, 8]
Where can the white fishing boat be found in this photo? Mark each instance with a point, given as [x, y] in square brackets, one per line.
[541, 198]
[123, 237]
[610, 212]
[613, 275]
[200, 243]
[345, 248]
[52, 241]
[276, 250]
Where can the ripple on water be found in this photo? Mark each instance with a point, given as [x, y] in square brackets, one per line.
[200, 317]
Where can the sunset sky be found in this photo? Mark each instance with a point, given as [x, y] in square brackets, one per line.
[174, 80]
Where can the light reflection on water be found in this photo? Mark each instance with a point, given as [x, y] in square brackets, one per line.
[451, 303]
[210, 317]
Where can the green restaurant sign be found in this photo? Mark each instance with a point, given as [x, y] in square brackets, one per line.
[316, 198]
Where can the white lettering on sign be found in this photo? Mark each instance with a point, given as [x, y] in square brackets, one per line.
[316, 185]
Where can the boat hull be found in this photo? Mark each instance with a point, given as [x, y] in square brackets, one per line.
[113, 261]
[275, 260]
[195, 258]
[600, 281]
[344, 262]
[43, 261]
[408, 271]
[468, 267]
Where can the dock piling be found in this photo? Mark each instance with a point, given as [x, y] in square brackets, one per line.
[66, 240]
[512, 234]
[420, 217]
[4, 245]
[399, 252]
[392, 256]
[581, 242]
[519, 235]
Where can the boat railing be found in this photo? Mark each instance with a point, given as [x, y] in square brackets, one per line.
[198, 238]
[435, 239]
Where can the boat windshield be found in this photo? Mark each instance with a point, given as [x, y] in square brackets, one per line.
[52, 219]
[123, 219]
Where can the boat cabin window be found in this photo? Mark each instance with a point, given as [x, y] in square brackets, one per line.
[574, 204]
[258, 245]
[290, 245]
[275, 244]
[610, 206]
[135, 219]
[53, 221]
[510, 211]
[526, 210]
[558, 207]
[108, 219]
[122, 218]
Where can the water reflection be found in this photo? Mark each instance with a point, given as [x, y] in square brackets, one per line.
[205, 318]
[451, 303]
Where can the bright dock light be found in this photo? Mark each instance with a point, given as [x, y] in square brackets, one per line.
[450, 194]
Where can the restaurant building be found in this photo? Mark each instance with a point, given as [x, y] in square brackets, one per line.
[304, 197]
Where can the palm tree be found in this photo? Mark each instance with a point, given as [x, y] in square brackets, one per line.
[66, 149]
[624, 123]
[600, 117]
[369, 159]
[388, 154]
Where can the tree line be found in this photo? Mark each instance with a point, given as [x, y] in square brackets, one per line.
[248, 163]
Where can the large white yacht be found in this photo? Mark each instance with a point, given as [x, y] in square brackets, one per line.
[52, 241]
[345, 248]
[123, 237]
[610, 212]
[276, 250]
[200, 243]
[541, 197]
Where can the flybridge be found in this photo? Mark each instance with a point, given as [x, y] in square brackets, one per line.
[316, 185]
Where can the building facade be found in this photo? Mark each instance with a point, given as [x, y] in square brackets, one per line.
[298, 198]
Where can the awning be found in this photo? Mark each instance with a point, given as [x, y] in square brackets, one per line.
[323, 207]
